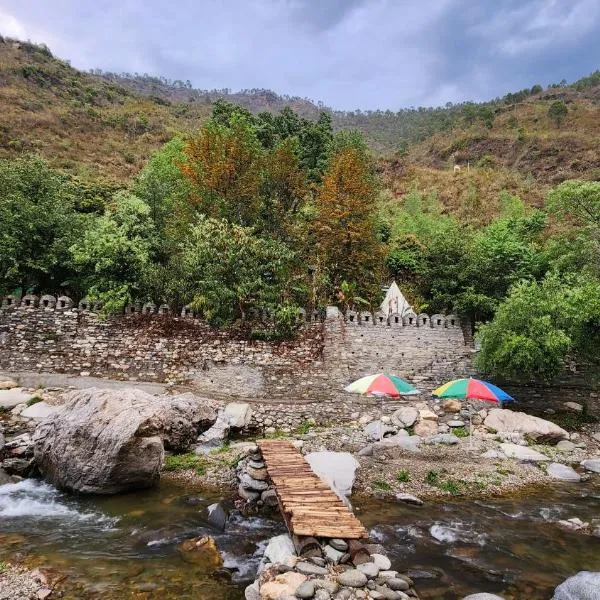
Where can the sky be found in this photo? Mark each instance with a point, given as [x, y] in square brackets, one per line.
[349, 54]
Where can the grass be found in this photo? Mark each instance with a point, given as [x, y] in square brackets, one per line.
[276, 435]
[379, 484]
[403, 476]
[3, 567]
[572, 421]
[461, 432]
[33, 401]
[185, 462]
[432, 478]
[452, 486]
[304, 428]
[224, 447]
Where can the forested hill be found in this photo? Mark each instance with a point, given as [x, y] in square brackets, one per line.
[103, 126]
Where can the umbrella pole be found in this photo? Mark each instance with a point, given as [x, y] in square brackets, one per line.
[470, 429]
[381, 422]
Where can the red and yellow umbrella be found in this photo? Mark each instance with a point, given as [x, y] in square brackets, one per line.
[381, 384]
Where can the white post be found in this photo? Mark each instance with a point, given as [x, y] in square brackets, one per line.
[470, 429]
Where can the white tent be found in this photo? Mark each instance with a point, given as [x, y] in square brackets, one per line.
[395, 302]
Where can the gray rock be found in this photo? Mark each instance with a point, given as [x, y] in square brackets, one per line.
[213, 437]
[493, 454]
[6, 478]
[307, 568]
[332, 555]
[280, 549]
[256, 464]
[591, 464]
[329, 585]
[39, 411]
[344, 594]
[12, 397]
[366, 451]
[562, 472]
[2, 441]
[540, 430]
[322, 595]
[305, 590]
[258, 474]
[397, 584]
[448, 439]
[410, 443]
[573, 407]
[216, 516]
[596, 436]
[483, 596]
[382, 561]
[455, 423]
[405, 416]
[109, 441]
[389, 594]
[269, 497]
[583, 586]
[237, 414]
[409, 499]
[338, 544]
[370, 569]
[248, 495]
[248, 483]
[376, 430]
[252, 592]
[566, 446]
[23, 467]
[522, 453]
[352, 578]
[336, 468]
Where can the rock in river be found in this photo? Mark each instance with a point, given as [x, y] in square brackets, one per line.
[562, 472]
[110, 441]
[591, 464]
[583, 586]
[352, 578]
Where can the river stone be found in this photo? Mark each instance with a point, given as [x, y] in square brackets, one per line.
[382, 561]
[338, 469]
[110, 441]
[249, 483]
[522, 453]
[540, 430]
[216, 516]
[306, 590]
[591, 464]
[370, 569]
[282, 586]
[352, 578]
[366, 451]
[455, 423]
[269, 497]
[562, 472]
[409, 499]
[322, 594]
[405, 416]
[256, 464]
[307, 568]
[565, 446]
[377, 430]
[332, 555]
[280, 549]
[397, 584]
[448, 439]
[583, 586]
[213, 437]
[338, 544]
[12, 397]
[426, 428]
[39, 411]
[248, 495]
[483, 596]
[251, 592]
[259, 474]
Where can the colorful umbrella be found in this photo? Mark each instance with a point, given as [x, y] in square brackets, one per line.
[381, 384]
[472, 389]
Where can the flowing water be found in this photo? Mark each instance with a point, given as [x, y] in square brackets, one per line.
[126, 546]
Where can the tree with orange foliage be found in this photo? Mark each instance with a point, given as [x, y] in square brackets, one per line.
[345, 235]
[225, 167]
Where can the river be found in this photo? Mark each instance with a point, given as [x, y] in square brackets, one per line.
[126, 546]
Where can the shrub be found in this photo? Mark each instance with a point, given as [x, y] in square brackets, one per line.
[379, 484]
[403, 476]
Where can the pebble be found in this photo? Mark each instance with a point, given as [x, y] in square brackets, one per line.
[565, 446]
[305, 590]
[352, 578]
[383, 575]
[382, 562]
[455, 423]
[338, 544]
[332, 554]
[307, 568]
[322, 595]
[398, 585]
[370, 569]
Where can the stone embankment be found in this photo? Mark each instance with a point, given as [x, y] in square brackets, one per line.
[323, 568]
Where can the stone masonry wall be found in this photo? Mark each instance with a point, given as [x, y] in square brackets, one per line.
[289, 383]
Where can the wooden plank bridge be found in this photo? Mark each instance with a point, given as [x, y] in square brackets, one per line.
[309, 506]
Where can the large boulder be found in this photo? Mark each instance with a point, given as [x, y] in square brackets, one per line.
[237, 414]
[522, 453]
[540, 430]
[109, 441]
[583, 586]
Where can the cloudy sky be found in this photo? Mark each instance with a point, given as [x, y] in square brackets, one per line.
[348, 53]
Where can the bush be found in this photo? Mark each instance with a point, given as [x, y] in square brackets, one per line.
[403, 476]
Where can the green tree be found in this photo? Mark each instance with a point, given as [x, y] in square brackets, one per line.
[538, 324]
[116, 251]
[38, 224]
[557, 112]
